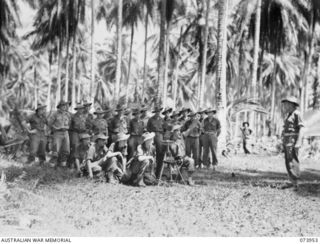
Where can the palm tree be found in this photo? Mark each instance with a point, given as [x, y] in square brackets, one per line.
[204, 56]
[9, 19]
[162, 55]
[221, 97]
[310, 9]
[119, 51]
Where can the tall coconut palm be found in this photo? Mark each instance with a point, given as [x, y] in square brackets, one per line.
[119, 51]
[279, 26]
[204, 55]
[310, 9]
[221, 97]
[162, 55]
[9, 19]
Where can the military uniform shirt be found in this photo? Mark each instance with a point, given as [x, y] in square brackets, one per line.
[78, 123]
[95, 153]
[60, 120]
[211, 125]
[37, 122]
[100, 126]
[178, 148]
[293, 122]
[82, 152]
[155, 124]
[136, 127]
[196, 131]
[118, 125]
[142, 152]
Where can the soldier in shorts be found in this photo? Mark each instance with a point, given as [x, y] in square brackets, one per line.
[292, 138]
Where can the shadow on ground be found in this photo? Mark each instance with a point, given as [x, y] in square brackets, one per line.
[224, 176]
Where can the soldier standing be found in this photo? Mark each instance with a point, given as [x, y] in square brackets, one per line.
[77, 127]
[202, 114]
[167, 125]
[89, 116]
[246, 132]
[144, 117]
[118, 124]
[59, 124]
[37, 134]
[292, 138]
[212, 129]
[192, 130]
[184, 115]
[155, 124]
[175, 117]
[136, 127]
[100, 124]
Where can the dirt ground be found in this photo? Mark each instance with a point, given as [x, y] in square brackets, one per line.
[48, 202]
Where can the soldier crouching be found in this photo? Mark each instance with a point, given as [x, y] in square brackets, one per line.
[140, 170]
[100, 158]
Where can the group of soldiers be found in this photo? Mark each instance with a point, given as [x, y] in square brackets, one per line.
[124, 145]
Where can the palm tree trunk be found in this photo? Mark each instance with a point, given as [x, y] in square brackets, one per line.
[221, 98]
[66, 91]
[35, 86]
[58, 97]
[50, 83]
[204, 57]
[130, 60]
[74, 70]
[119, 52]
[175, 82]
[165, 83]
[306, 70]
[255, 60]
[316, 102]
[92, 50]
[161, 57]
[145, 52]
[273, 91]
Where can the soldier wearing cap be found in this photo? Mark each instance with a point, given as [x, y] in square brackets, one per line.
[212, 129]
[192, 130]
[81, 152]
[175, 117]
[155, 124]
[77, 127]
[60, 124]
[168, 123]
[144, 117]
[118, 124]
[184, 115]
[88, 115]
[37, 134]
[202, 114]
[99, 158]
[100, 124]
[292, 138]
[136, 127]
[178, 151]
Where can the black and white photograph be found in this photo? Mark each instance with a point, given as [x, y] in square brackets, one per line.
[159, 118]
